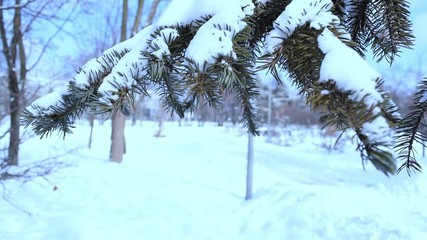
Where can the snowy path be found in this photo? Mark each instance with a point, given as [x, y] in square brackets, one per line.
[190, 185]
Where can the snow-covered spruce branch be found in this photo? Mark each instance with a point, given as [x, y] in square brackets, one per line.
[58, 110]
[345, 98]
[158, 65]
[193, 55]
[349, 97]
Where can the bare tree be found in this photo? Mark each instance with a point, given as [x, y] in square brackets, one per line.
[12, 33]
[12, 50]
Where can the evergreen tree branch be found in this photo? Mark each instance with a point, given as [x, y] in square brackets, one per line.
[205, 86]
[410, 131]
[61, 116]
[340, 9]
[300, 55]
[185, 74]
[392, 30]
[264, 17]
[383, 25]
[71, 105]
[358, 21]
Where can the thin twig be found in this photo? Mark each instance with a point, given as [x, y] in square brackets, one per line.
[40, 168]
[10, 202]
[60, 28]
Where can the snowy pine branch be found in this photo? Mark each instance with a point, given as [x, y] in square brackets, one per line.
[168, 57]
[349, 99]
[196, 55]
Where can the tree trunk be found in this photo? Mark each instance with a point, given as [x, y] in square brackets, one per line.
[249, 166]
[91, 122]
[118, 120]
[269, 126]
[135, 27]
[138, 16]
[137, 113]
[11, 52]
[13, 49]
[160, 114]
[118, 146]
[153, 11]
[14, 108]
[123, 32]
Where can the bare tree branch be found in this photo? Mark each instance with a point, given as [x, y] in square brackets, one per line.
[5, 198]
[29, 172]
[6, 49]
[2, 8]
[152, 13]
[27, 28]
[138, 16]
[60, 28]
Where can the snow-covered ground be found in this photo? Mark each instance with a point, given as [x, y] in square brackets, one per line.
[190, 184]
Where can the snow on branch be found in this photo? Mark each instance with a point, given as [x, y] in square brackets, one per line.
[353, 74]
[341, 63]
[121, 64]
[106, 63]
[297, 13]
[215, 37]
[122, 73]
[356, 101]
[350, 71]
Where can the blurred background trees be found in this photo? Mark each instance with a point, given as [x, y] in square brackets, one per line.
[27, 29]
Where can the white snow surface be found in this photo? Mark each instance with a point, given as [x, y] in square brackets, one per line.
[190, 184]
